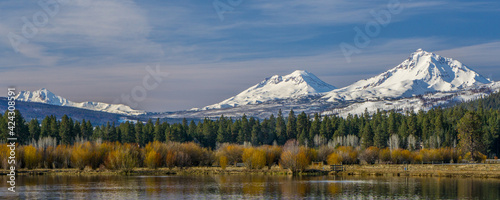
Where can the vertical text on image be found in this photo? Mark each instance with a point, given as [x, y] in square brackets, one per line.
[11, 144]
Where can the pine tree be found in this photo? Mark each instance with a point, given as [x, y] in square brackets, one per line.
[270, 133]
[255, 135]
[127, 132]
[315, 126]
[77, 129]
[65, 130]
[158, 131]
[302, 128]
[105, 131]
[392, 123]
[244, 133]
[45, 129]
[341, 131]
[367, 135]
[291, 126]
[209, 133]
[113, 133]
[97, 133]
[54, 128]
[139, 134]
[325, 128]
[83, 129]
[90, 129]
[469, 130]
[281, 129]
[491, 134]
[222, 134]
[34, 129]
[184, 131]
[149, 131]
[4, 132]
[21, 128]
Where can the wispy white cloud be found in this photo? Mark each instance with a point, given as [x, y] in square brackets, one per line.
[90, 30]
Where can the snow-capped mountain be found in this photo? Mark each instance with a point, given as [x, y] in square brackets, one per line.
[298, 84]
[45, 96]
[421, 73]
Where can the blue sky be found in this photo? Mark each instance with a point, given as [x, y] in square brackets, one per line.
[97, 50]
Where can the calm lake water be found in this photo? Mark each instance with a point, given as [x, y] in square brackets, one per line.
[249, 187]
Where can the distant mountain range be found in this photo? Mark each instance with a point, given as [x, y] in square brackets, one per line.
[422, 81]
[45, 96]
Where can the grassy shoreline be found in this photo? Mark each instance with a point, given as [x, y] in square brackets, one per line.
[414, 170]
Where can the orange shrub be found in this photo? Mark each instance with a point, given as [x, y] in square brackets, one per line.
[302, 160]
[312, 154]
[400, 156]
[31, 157]
[406, 156]
[194, 155]
[171, 159]
[349, 154]
[273, 154]
[152, 159]
[62, 156]
[384, 155]
[99, 154]
[4, 154]
[254, 158]
[124, 157]
[81, 155]
[223, 162]
[48, 157]
[232, 152]
[334, 159]
[417, 158]
[294, 157]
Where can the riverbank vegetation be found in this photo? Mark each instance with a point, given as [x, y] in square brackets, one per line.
[292, 156]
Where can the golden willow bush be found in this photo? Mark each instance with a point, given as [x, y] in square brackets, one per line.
[31, 157]
[232, 152]
[343, 155]
[254, 158]
[152, 159]
[223, 162]
[294, 156]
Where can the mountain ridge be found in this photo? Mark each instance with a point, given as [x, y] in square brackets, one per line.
[47, 97]
[299, 83]
[421, 73]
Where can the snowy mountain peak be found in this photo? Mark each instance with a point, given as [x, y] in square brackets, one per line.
[300, 83]
[300, 73]
[41, 96]
[45, 96]
[421, 73]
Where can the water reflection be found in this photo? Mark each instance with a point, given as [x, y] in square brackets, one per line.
[250, 187]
